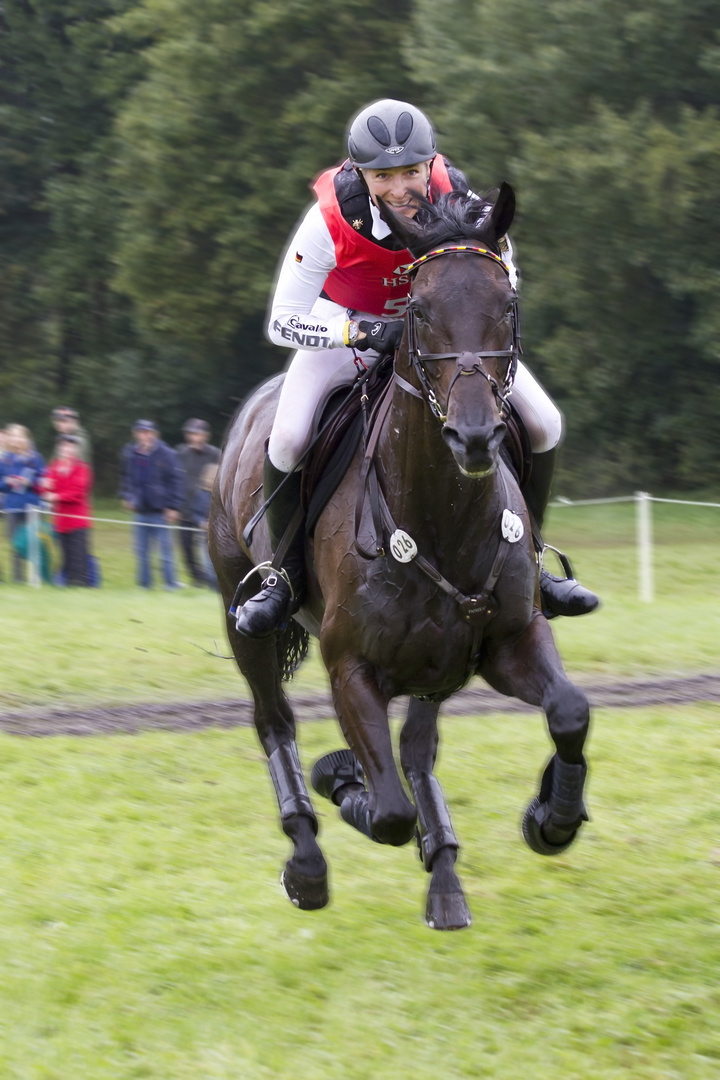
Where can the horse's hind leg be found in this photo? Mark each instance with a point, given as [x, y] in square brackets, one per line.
[530, 668]
[305, 875]
[446, 906]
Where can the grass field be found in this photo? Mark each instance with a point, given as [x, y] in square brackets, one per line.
[143, 933]
[121, 643]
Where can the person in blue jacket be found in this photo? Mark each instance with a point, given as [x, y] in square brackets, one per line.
[151, 487]
[20, 471]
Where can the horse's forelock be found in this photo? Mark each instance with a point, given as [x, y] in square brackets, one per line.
[456, 218]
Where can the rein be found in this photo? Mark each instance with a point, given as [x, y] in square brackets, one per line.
[474, 359]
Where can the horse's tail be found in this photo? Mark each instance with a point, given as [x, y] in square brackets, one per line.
[292, 645]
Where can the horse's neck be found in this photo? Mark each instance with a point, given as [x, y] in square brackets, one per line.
[426, 492]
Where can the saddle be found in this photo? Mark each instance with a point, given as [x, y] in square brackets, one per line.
[346, 419]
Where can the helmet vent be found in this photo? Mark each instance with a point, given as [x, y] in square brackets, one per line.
[378, 130]
[403, 127]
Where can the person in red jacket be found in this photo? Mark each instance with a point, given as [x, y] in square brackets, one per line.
[67, 486]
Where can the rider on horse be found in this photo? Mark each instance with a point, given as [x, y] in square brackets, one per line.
[342, 287]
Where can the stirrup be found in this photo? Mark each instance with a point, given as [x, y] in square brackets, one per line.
[268, 609]
[562, 558]
[563, 596]
[270, 580]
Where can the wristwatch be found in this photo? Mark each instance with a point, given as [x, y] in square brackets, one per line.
[350, 332]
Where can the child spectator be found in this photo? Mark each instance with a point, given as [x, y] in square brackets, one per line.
[67, 485]
[19, 476]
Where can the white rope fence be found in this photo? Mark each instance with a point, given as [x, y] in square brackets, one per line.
[32, 518]
[643, 531]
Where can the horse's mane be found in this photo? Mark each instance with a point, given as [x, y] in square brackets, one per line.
[456, 218]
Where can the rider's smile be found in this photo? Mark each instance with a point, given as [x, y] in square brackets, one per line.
[398, 186]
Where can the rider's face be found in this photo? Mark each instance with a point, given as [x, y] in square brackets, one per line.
[398, 186]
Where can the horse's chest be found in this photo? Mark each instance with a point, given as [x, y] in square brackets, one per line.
[412, 630]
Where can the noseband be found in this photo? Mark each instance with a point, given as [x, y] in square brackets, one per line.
[468, 363]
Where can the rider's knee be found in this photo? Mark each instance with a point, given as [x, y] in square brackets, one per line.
[284, 448]
[544, 427]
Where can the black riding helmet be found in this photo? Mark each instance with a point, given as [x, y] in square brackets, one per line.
[390, 133]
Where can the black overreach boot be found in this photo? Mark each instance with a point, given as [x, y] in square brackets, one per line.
[558, 595]
[283, 588]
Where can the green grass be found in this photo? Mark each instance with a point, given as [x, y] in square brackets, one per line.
[117, 643]
[121, 643]
[143, 933]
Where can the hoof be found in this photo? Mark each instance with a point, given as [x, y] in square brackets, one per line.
[533, 834]
[307, 893]
[334, 771]
[447, 911]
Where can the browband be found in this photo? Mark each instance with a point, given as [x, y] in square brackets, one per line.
[456, 247]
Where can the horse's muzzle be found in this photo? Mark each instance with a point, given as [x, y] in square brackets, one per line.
[475, 450]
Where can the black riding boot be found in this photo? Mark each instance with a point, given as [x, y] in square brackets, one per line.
[282, 590]
[559, 596]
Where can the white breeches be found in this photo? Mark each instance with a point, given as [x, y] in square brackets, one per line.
[538, 412]
[313, 374]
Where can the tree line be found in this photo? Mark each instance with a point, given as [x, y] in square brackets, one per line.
[155, 155]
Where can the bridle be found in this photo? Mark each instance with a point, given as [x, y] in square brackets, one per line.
[479, 608]
[473, 359]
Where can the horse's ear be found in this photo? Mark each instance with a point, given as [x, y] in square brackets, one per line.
[503, 211]
[406, 230]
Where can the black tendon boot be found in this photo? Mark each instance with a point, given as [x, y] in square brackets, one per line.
[558, 595]
[282, 590]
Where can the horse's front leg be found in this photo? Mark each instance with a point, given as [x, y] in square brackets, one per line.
[530, 668]
[446, 906]
[384, 811]
[305, 876]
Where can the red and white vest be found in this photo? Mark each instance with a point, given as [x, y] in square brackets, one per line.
[368, 277]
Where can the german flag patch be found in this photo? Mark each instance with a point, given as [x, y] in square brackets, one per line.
[298, 257]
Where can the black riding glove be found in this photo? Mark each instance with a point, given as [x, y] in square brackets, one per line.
[384, 337]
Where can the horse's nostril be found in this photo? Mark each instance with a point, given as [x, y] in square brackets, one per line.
[497, 436]
[452, 438]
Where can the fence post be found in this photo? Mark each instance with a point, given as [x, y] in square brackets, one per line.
[33, 541]
[644, 542]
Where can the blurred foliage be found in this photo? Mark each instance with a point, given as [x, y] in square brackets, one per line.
[605, 118]
[155, 156]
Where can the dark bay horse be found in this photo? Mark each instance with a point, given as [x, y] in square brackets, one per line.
[422, 573]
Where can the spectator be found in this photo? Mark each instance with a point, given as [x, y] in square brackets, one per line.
[4, 456]
[67, 485]
[201, 513]
[195, 455]
[66, 421]
[151, 487]
[19, 476]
